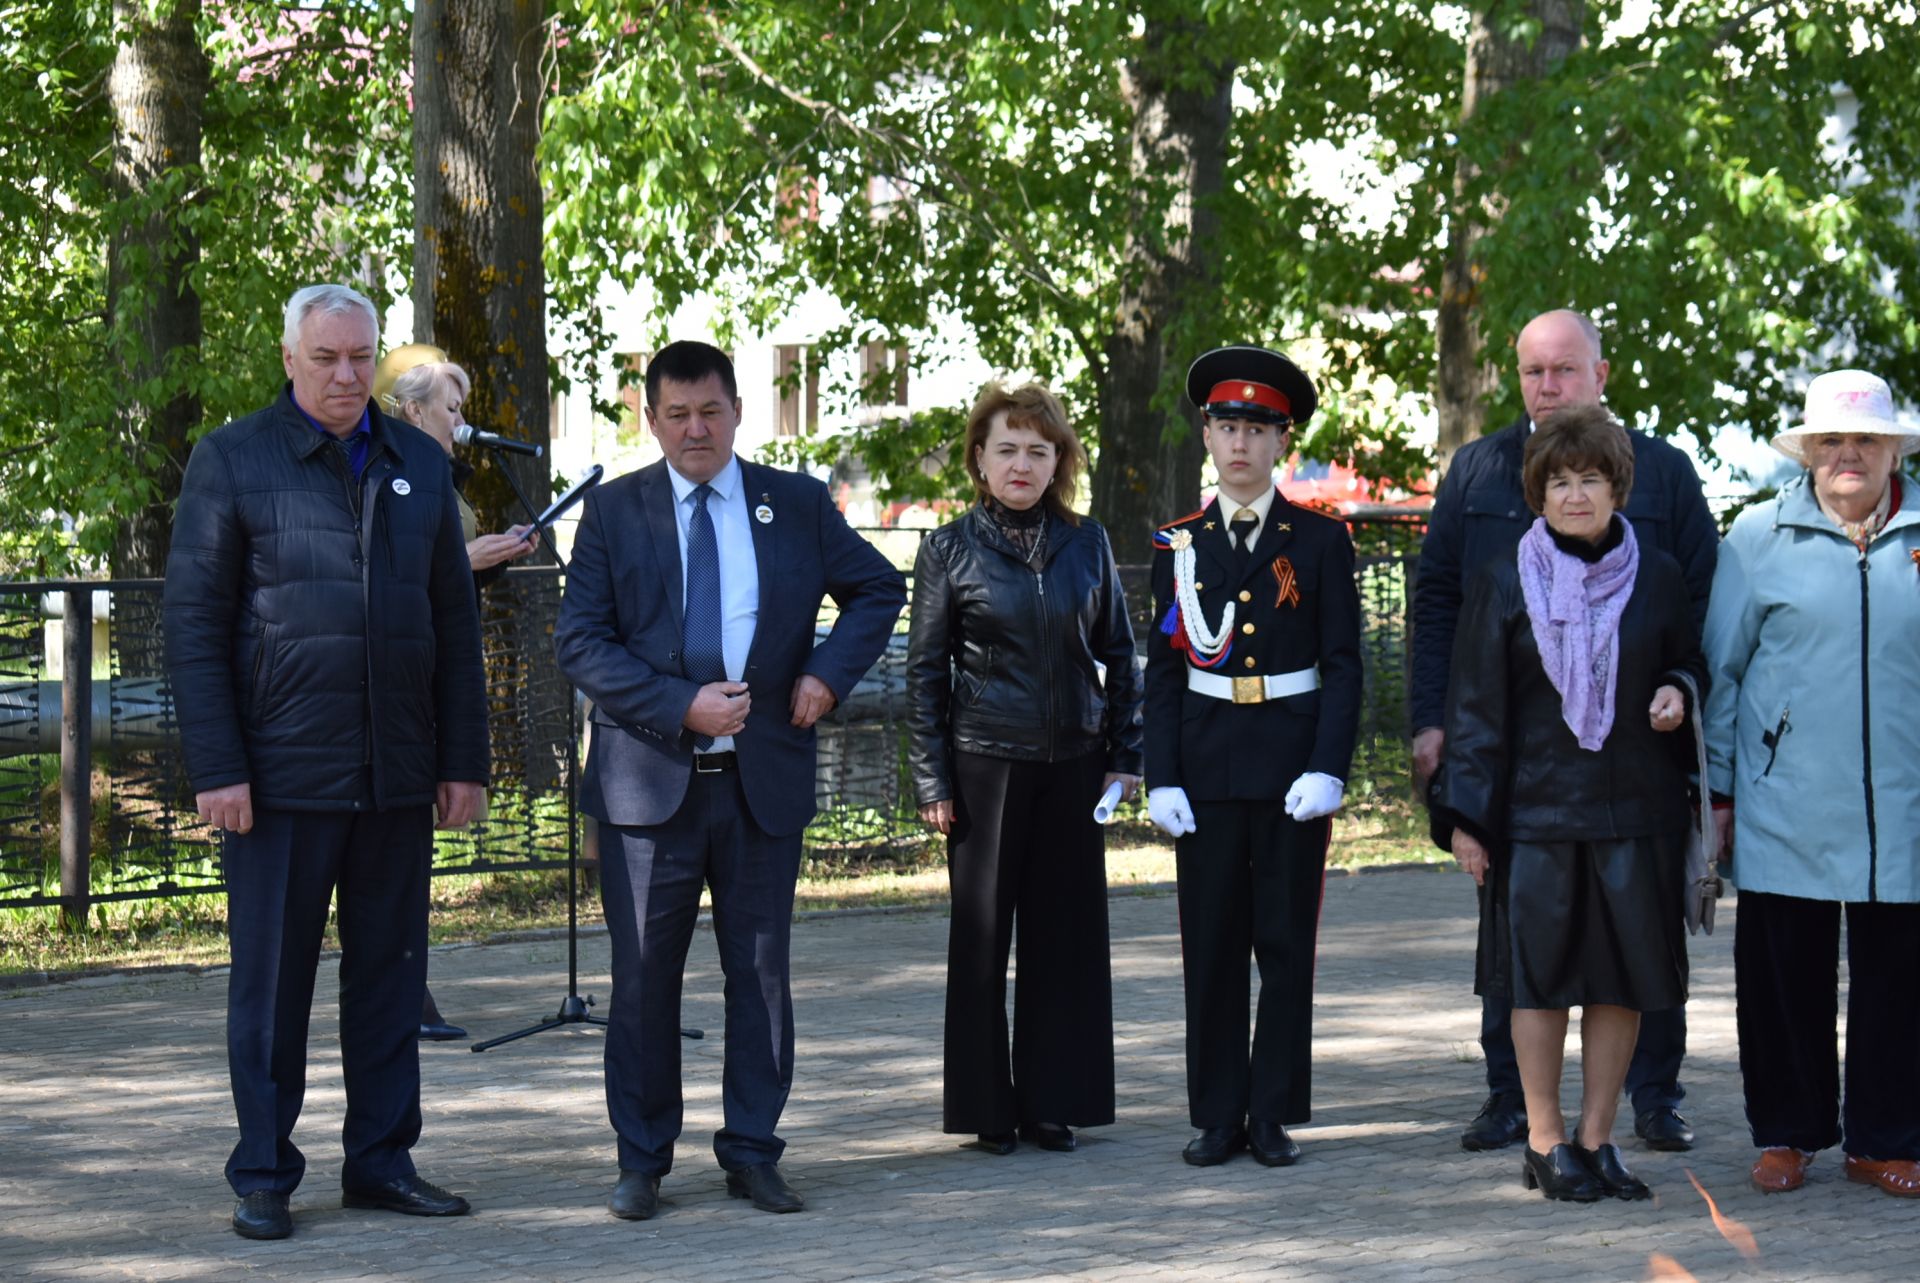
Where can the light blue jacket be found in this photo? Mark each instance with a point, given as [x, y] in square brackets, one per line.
[1813, 717]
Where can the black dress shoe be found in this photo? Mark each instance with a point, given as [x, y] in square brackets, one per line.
[764, 1185]
[1215, 1145]
[1604, 1162]
[1270, 1144]
[263, 1214]
[1559, 1173]
[409, 1195]
[1662, 1127]
[1500, 1122]
[1057, 1137]
[997, 1143]
[441, 1032]
[636, 1197]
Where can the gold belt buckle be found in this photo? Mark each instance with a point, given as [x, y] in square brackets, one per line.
[1249, 690]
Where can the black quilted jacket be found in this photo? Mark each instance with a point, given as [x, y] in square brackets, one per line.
[322, 639]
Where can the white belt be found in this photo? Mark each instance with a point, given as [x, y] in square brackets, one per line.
[1253, 690]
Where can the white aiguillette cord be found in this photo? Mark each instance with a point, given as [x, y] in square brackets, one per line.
[1190, 614]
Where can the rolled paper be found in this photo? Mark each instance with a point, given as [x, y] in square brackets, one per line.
[1108, 804]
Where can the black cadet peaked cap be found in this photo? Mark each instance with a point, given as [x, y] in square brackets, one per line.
[1250, 383]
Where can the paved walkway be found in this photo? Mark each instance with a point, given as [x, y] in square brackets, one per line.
[115, 1121]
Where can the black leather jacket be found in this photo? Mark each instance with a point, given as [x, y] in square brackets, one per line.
[1002, 656]
[1514, 772]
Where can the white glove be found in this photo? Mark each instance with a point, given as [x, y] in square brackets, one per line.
[1168, 808]
[1314, 795]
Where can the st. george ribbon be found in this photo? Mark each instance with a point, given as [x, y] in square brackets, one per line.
[467, 434]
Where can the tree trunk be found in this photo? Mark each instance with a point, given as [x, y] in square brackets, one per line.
[479, 283]
[157, 89]
[480, 292]
[1150, 457]
[1495, 61]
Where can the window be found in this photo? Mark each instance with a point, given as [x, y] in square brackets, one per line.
[883, 373]
[796, 390]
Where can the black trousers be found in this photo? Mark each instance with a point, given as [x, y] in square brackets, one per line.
[1786, 959]
[650, 880]
[1250, 880]
[280, 878]
[1026, 854]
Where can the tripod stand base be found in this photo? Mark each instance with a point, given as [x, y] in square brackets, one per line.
[573, 1011]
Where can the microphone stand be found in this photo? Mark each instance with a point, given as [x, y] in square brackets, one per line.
[533, 513]
[573, 1008]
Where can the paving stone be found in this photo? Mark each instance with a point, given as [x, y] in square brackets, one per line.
[117, 1121]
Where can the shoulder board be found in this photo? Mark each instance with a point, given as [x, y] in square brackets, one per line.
[1182, 520]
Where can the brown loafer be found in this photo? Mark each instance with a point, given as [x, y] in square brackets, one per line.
[1899, 1177]
[1781, 1168]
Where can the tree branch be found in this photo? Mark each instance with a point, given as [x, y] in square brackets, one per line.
[1027, 263]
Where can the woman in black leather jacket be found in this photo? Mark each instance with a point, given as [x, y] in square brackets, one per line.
[1561, 757]
[1016, 733]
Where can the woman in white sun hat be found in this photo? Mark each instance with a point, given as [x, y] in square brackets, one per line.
[1813, 730]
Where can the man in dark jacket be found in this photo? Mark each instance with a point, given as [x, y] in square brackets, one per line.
[689, 622]
[1253, 704]
[1479, 514]
[324, 652]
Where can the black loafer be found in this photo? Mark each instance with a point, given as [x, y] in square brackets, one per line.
[441, 1032]
[263, 1214]
[999, 1144]
[1500, 1122]
[765, 1186]
[1270, 1144]
[1054, 1136]
[1215, 1145]
[1605, 1164]
[1663, 1128]
[1560, 1174]
[408, 1195]
[636, 1197]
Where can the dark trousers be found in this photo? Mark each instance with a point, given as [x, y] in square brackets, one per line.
[1250, 880]
[1653, 1075]
[280, 877]
[1786, 960]
[1025, 853]
[650, 879]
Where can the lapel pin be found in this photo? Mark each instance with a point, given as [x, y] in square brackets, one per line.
[401, 487]
[764, 513]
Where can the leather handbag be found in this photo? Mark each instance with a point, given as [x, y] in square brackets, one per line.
[1702, 886]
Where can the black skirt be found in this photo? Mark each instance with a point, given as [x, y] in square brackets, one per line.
[1571, 924]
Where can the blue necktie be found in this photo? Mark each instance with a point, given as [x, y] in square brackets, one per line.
[706, 660]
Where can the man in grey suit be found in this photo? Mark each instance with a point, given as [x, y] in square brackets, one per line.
[689, 622]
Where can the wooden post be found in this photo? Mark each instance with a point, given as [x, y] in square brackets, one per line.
[76, 757]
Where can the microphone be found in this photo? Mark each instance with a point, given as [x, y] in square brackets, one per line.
[467, 434]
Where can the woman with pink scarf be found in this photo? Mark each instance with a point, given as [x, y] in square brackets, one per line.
[1566, 786]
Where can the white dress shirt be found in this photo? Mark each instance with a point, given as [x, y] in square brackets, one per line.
[739, 568]
[1262, 507]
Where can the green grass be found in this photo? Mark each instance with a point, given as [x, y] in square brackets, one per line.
[190, 930]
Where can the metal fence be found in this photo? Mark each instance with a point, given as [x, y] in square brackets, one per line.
[83, 696]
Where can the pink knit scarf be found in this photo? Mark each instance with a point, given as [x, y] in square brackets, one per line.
[1575, 608]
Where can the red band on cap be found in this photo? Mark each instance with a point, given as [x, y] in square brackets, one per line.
[1254, 393]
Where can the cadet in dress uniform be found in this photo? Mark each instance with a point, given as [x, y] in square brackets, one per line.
[1253, 699]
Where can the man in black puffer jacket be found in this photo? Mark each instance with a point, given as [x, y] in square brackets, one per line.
[324, 652]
